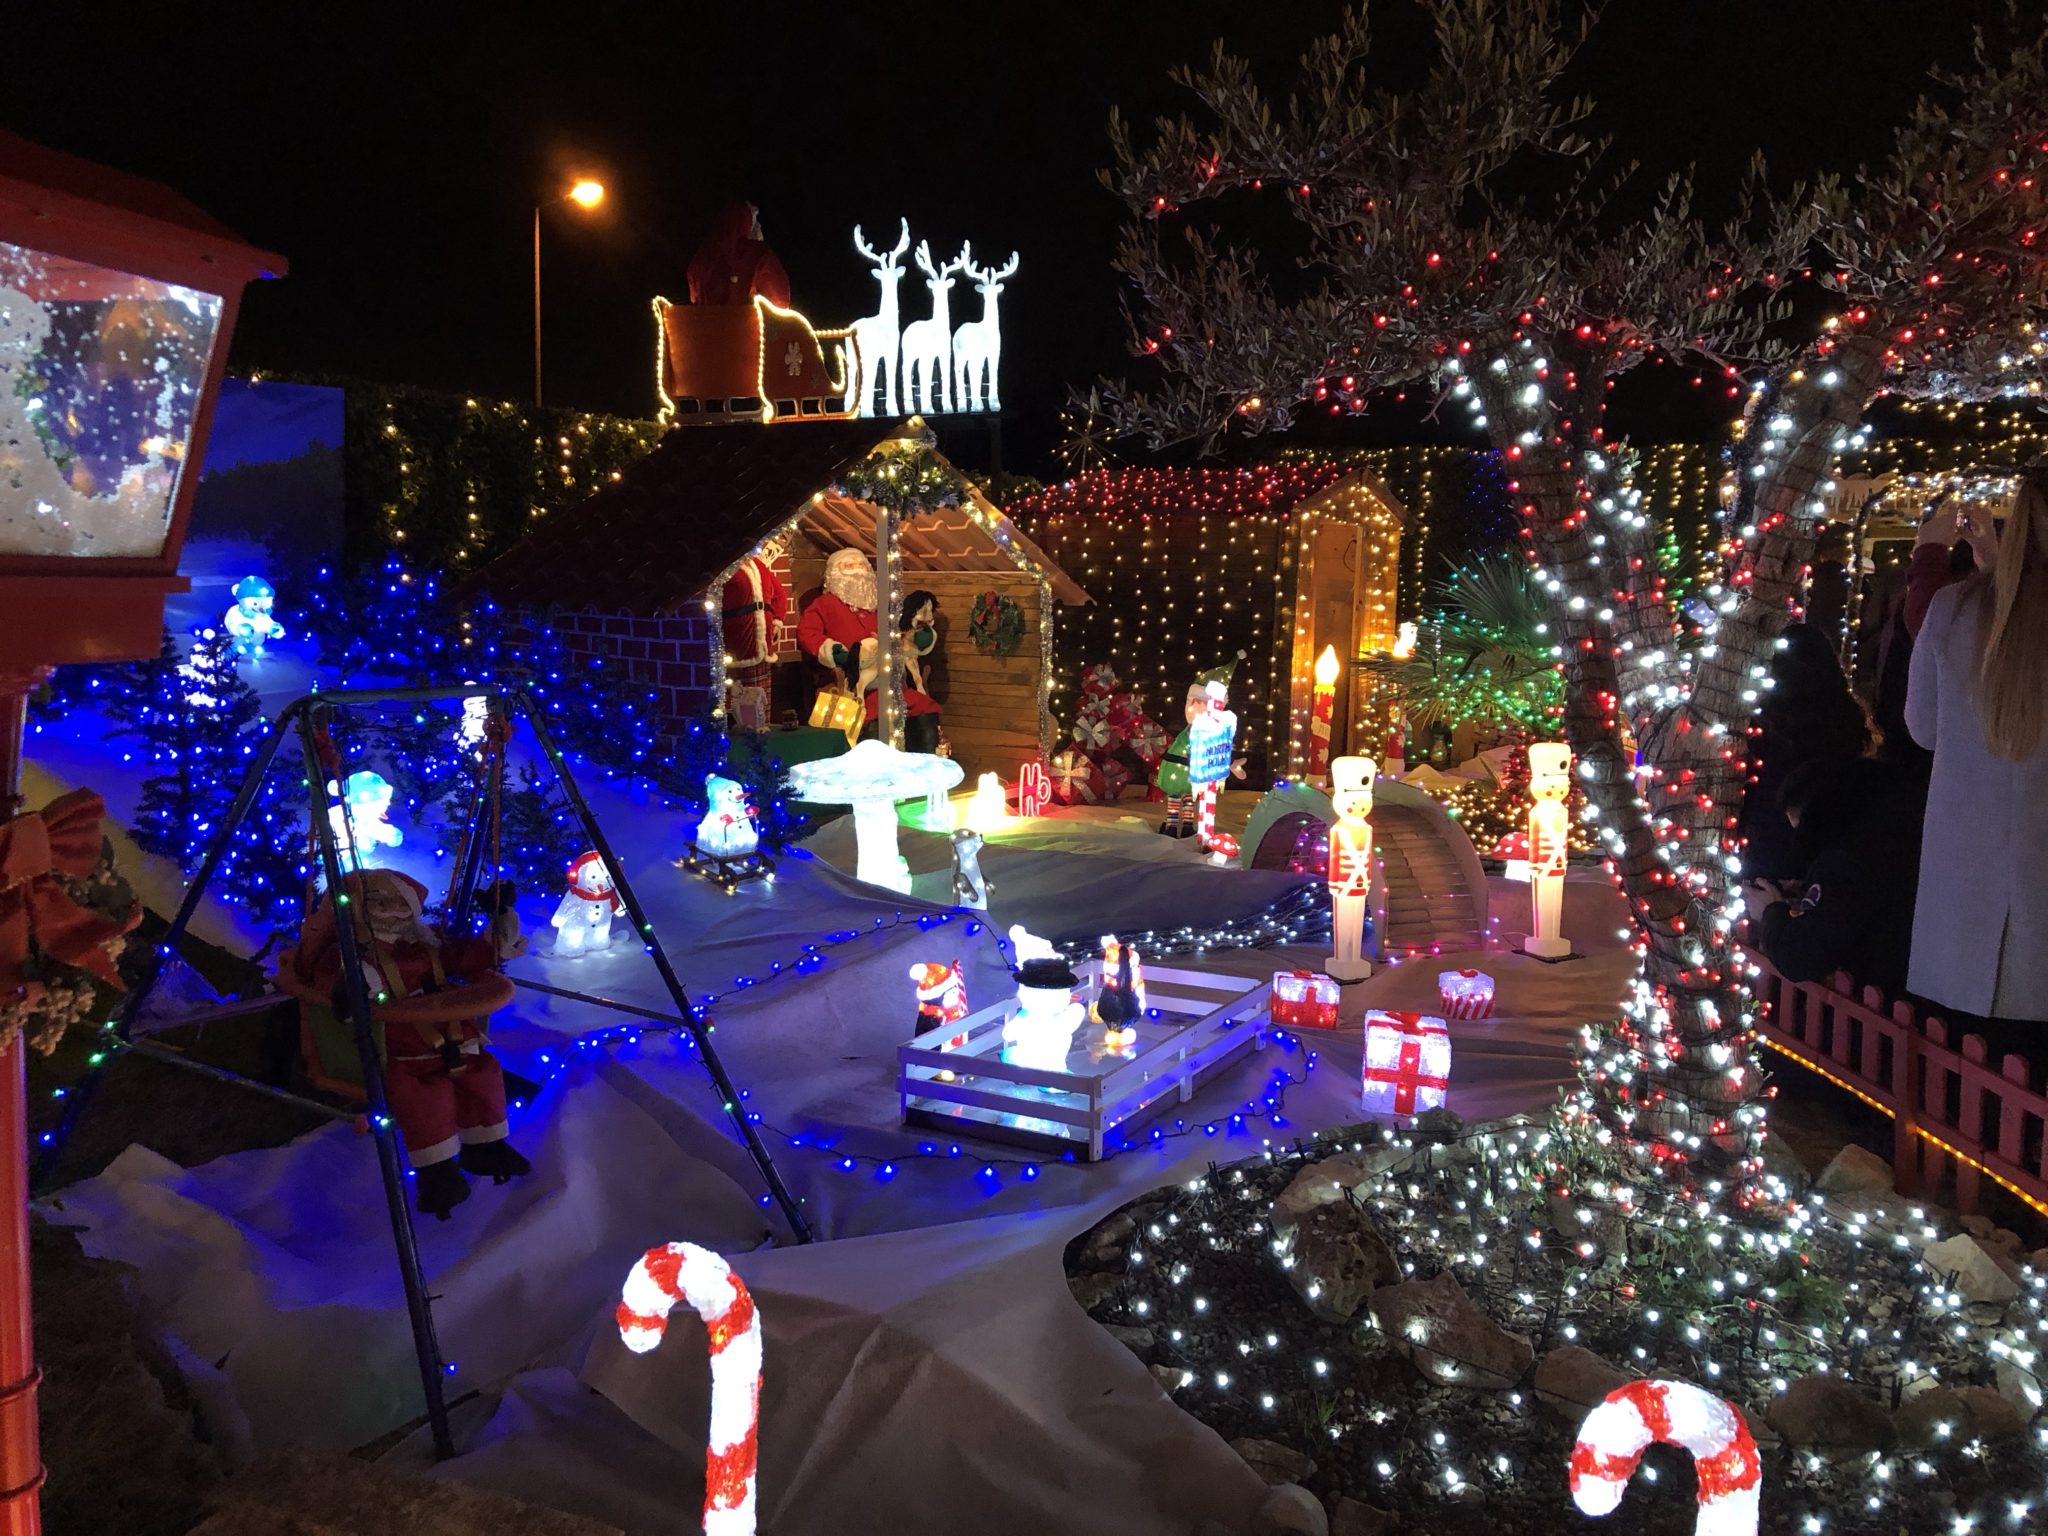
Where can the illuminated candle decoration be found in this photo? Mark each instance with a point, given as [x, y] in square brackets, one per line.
[583, 919]
[1034, 789]
[1644, 1413]
[1465, 994]
[1322, 713]
[1350, 875]
[727, 830]
[1407, 1063]
[1304, 1000]
[1040, 1032]
[361, 823]
[250, 624]
[986, 809]
[1405, 637]
[702, 1281]
[1550, 782]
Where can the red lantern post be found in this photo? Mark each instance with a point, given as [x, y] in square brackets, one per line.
[117, 303]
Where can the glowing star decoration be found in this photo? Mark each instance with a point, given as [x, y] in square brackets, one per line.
[986, 810]
[469, 730]
[1034, 789]
[1644, 1413]
[1322, 713]
[727, 830]
[583, 919]
[1550, 765]
[702, 1281]
[871, 778]
[978, 344]
[1350, 876]
[1465, 994]
[360, 822]
[1040, 1032]
[249, 623]
[1407, 1063]
[970, 885]
[1121, 1002]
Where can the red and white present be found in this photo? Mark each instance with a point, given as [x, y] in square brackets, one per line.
[1465, 994]
[1304, 1000]
[1115, 778]
[1076, 778]
[1096, 733]
[1407, 1063]
[1148, 739]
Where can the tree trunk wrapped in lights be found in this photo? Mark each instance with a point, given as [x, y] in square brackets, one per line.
[1425, 265]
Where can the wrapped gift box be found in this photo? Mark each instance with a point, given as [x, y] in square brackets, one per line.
[1304, 1000]
[1407, 1063]
[1465, 994]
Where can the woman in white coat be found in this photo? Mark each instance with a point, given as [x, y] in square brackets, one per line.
[1978, 699]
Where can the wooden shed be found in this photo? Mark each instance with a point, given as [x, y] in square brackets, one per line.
[634, 575]
[1189, 566]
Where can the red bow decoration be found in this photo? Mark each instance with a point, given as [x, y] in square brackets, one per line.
[36, 911]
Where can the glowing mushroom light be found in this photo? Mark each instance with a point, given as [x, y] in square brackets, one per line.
[871, 779]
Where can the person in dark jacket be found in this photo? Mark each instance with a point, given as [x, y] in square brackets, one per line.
[1857, 830]
[1807, 715]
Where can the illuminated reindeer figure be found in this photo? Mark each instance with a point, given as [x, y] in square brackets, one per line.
[978, 344]
[928, 344]
[874, 338]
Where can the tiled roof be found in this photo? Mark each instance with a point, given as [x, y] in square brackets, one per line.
[655, 539]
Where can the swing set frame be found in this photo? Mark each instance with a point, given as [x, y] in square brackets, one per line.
[309, 718]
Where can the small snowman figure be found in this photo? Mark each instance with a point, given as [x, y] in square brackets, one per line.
[1041, 1032]
[583, 921]
[249, 623]
[970, 886]
[365, 812]
[727, 830]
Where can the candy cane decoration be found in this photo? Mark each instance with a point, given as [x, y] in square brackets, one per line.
[1205, 823]
[686, 1273]
[1616, 1433]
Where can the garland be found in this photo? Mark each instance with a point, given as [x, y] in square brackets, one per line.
[913, 482]
[997, 628]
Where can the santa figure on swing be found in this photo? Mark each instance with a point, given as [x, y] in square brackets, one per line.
[753, 604]
[446, 1089]
[838, 630]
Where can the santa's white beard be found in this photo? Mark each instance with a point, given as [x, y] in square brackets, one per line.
[852, 585]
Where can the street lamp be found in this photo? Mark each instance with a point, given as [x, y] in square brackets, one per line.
[117, 303]
[585, 194]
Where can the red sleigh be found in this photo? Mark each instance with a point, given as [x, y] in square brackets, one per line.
[747, 362]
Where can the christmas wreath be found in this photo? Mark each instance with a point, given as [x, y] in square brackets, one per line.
[997, 627]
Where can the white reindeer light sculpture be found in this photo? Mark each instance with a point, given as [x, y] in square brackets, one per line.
[927, 355]
[978, 344]
[875, 338]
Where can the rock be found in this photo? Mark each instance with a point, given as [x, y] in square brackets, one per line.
[1980, 1227]
[1572, 1381]
[1093, 1290]
[2039, 1260]
[1982, 1274]
[1783, 1160]
[319, 1492]
[1289, 1510]
[1137, 1340]
[1829, 1415]
[1449, 1339]
[1108, 1245]
[1171, 1378]
[1856, 1172]
[1352, 1517]
[1336, 1258]
[2007, 1242]
[1969, 1413]
[1275, 1462]
[1325, 1181]
[1587, 1220]
[2018, 1387]
[1209, 1527]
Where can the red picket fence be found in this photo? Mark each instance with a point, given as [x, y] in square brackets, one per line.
[1951, 1109]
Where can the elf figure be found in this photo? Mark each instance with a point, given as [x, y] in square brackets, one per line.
[1550, 765]
[1350, 877]
[727, 830]
[1211, 734]
[447, 1091]
[970, 885]
[583, 921]
[753, 604]
[249, 623]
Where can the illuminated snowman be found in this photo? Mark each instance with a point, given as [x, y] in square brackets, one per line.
[727, 830]
[583, 921]
[361, 822]
[249, 623]
[1041, 1030]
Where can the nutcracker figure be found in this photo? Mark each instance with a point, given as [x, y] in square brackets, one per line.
[1550, 765]
[754, 603]
[1350, 867]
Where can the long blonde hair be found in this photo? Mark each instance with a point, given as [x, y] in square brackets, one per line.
[2012, 678]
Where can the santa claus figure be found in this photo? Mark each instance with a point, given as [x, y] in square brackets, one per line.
[583, 921]
[446, 1089]
[754, 603]
[838, 631]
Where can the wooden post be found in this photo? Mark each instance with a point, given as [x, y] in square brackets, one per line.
[888, 608]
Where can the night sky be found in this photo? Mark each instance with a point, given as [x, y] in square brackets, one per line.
[394, 153]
